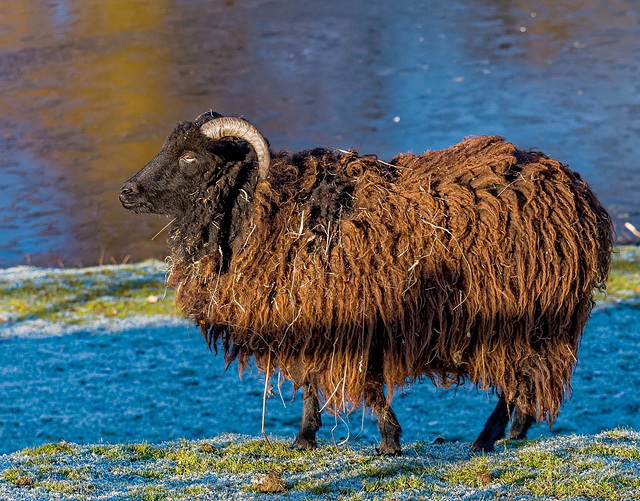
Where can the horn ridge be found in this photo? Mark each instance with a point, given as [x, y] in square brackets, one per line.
[237, 127]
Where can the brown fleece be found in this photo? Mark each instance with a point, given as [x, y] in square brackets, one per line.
[476, 262]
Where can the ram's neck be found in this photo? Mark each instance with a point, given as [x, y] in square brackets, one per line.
[217, 220]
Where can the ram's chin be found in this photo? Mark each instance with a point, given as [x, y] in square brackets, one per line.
[137, 208]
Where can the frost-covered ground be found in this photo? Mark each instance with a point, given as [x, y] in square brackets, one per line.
[98, 356]
[603, 466]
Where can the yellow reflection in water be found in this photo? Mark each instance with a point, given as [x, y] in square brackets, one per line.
[94, 78]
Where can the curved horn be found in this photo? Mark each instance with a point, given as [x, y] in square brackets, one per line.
[207, 115]
[236, 127]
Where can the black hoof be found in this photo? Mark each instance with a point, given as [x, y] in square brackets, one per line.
[482, 446]
[389, 451]
[304, 444]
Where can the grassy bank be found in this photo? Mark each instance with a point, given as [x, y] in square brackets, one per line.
[75, 296]
[604, 466]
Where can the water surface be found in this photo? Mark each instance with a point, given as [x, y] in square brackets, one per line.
[89, 89]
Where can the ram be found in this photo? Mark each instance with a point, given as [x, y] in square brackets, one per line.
[474, 263]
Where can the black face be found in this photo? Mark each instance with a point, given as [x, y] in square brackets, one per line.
[166, 184]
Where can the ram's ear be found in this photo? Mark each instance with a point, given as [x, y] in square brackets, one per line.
[203, 118]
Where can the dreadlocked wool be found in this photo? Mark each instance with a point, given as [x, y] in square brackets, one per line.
[477, 262]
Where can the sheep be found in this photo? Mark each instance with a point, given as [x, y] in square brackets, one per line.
[473, 263]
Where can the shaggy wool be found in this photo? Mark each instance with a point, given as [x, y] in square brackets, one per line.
[477, 262]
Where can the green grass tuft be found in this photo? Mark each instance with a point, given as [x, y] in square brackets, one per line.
[539, 459]
[110, 451]
[144, 452]
[72, 473]
[50, 449]
[260, 449]
[151, 493]
[604, 449]
[194, 490]
[624, 274]
[59, 487]
[17, 477]
[471, 473]
[186, 462]
[549, 483]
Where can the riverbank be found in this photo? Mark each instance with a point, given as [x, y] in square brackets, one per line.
[58, 298]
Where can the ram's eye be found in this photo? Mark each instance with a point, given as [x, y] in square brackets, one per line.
[187, 157]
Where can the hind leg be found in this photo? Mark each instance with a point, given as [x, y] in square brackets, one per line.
[520, 424]
[494, 428]
[390, 430]
[311, 421]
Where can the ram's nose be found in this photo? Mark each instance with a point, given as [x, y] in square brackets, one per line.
[128, 191]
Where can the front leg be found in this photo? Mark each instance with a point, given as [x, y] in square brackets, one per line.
[494, 428]
[311, 420]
